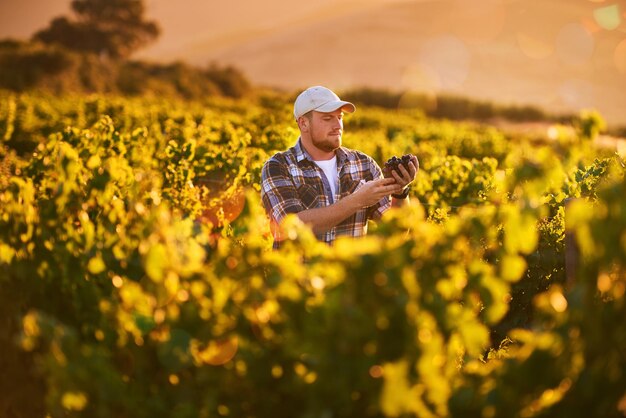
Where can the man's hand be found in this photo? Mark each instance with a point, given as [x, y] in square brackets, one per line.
[404, 177]
[324, 218]
[373, 191]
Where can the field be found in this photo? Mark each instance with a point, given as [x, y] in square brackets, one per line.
[137, 277]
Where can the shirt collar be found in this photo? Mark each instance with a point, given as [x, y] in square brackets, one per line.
[302, 154]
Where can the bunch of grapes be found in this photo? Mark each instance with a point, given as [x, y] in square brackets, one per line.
[394, 162]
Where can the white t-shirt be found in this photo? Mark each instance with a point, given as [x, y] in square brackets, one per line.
[329, 167]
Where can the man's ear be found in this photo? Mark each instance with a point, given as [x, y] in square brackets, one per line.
[303, 124]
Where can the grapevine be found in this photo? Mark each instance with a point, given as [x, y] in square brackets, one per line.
[137, 276]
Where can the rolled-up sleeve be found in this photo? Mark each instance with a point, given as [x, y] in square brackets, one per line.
[278, 193]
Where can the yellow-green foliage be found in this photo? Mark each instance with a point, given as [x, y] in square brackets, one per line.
[137, 277]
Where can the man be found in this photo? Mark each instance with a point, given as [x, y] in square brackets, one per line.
[333, 189]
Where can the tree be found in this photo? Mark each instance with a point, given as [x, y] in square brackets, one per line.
[590, 124]
[111, 28]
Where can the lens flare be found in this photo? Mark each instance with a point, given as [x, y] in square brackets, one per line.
[483, 21]
[590, 25]
[619, 57]
[534, 47]
[608, 17]
[448, 58]
[420, 77]
[420, 84]
[574, 45]
[577, 93]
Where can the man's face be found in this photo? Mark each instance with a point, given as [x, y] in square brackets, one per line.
[326, 130]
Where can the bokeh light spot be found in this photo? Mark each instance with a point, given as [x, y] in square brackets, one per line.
[310, 377]
[380, 279]
[369, 349]
[300, 369]
[182, 295]
[159, 316]
[448, 58]
[216, 352]
[619, 56]
[382, 322]
[420, 77]
[604, 282]
[318, 283]
[553, 132]
[425, 335]
[558, 301]
[608, 17]
[74, 401]
[376, 372]
[99, 334]
[241, 367]
[263, 314]
[590, 25]
[577, 93]
[420, 84]
[574, 45]
[117, 281]
[489, 411]
[621, 406]
[232, 262]
[533, 46]
[277, 371]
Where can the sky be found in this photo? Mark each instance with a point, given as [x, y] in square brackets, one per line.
[562, 55]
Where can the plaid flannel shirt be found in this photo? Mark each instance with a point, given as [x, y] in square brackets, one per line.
[292, 182]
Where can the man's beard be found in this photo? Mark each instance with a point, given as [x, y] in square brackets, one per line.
[326, 145]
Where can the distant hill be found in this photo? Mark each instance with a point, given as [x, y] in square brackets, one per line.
[562, 55]
[551, 53]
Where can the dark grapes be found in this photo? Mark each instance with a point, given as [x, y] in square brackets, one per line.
[394, 162]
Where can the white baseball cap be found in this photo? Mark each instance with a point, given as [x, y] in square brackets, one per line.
[320, 99]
